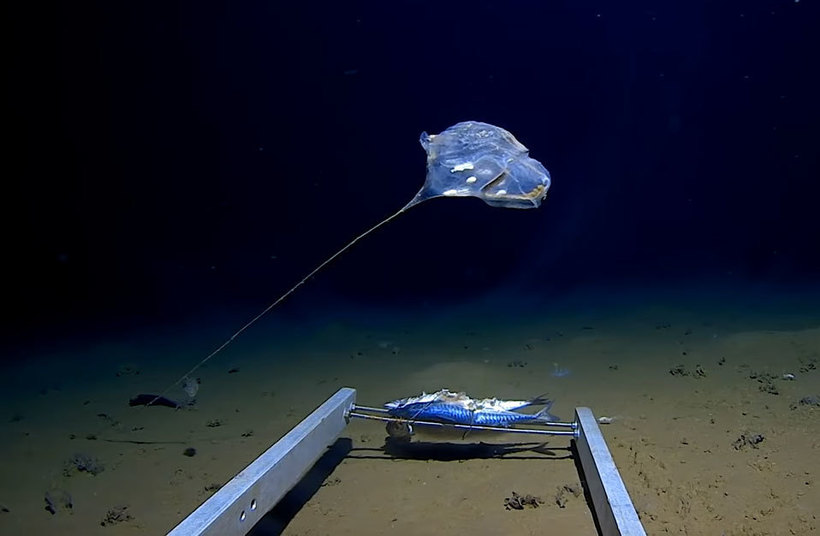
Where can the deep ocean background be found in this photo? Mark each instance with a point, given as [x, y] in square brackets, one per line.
[172, 168]
[170, 160]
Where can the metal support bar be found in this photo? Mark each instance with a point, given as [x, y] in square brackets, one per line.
[613, 508]
[241, 503]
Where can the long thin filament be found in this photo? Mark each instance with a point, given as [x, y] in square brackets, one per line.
[281, 298]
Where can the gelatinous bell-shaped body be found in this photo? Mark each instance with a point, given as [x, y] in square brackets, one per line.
[473, 159]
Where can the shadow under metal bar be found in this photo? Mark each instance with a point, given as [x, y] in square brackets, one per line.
[241, 503]
[613, 508]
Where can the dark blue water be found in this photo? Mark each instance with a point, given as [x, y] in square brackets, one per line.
[174, 158]
[174, 167]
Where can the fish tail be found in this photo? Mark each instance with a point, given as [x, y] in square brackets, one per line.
[539, 400]
[544, 414]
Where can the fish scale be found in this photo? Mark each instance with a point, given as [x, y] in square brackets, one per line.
[456, 414]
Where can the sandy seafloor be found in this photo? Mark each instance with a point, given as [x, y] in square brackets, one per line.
[673, 437]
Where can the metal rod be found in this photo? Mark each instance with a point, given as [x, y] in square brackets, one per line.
[465, 426]
[386, 412]
[368, 408]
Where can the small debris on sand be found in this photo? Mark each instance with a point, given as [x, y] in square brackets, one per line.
[191, 387]
[678, 370]
[128, 369]
[559, 372]
[116, 515]
[58, 499]
[518, 502]
[807, 365]
[681, 370]
[766, 381]
[812, 401]
[83, 463]
[747, 439]
[565, 491]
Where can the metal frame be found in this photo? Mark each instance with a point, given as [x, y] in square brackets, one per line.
[242, 502]
[611, 503]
